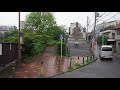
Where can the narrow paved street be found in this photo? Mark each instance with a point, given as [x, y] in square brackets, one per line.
[97, 69]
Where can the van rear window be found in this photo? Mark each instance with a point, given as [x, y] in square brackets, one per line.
[106, 49]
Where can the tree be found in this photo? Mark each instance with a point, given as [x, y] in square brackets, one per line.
[1, 36]
[102, 39]
[40, 21]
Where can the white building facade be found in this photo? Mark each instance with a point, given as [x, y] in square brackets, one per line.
[104, 25]
[110, 34]
[7, 28]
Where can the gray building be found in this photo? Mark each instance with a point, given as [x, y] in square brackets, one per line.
[22, 25]
[7, 28]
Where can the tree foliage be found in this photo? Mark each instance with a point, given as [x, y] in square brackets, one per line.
[102, 39]
[40, 29]
[40, 21]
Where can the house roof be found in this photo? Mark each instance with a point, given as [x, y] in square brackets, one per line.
[117, 26]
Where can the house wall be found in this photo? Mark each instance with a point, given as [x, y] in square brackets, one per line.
[108, 33]
[118, 45]
[117, 38]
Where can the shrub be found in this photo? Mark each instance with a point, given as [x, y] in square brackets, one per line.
[52, 43]
[37, 48]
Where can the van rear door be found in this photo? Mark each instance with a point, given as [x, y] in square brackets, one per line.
[106, 51]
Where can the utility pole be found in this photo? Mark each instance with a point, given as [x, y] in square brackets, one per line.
[19, 45]
[87, 27]
[95, 41]
[95, 22]
[103, 33]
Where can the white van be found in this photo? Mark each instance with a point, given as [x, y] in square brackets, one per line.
[106, 51]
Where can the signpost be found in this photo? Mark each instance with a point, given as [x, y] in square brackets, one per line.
[0, 49]
[61, 37]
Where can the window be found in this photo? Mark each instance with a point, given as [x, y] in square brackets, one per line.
[106, 49]
[118, 32]
[118, 45]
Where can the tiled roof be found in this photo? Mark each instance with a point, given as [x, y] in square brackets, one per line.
[117, 26]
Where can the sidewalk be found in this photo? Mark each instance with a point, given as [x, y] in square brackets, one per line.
[33, 70]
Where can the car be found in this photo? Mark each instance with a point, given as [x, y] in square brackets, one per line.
[106, 51]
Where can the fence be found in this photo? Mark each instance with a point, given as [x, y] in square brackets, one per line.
[8, 54]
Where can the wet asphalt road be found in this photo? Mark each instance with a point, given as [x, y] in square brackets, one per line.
[105, 68]
[98, 69]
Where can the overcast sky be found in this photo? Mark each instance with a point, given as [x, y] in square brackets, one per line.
[62, 18]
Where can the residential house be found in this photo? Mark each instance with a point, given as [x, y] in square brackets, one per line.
[100, 27]
[110, 34]
[117, 37]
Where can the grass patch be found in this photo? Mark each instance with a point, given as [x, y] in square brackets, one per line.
[77, 65]
[70, 69]
[74, 67]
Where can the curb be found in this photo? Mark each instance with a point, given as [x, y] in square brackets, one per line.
[74, 69]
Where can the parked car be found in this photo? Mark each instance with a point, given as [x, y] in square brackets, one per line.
[106, 51]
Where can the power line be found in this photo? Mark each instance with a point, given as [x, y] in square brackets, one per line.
[91, 25]
[101, 15]
[92, 17]
[98, 18]
[104, 17]
[112, 16]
